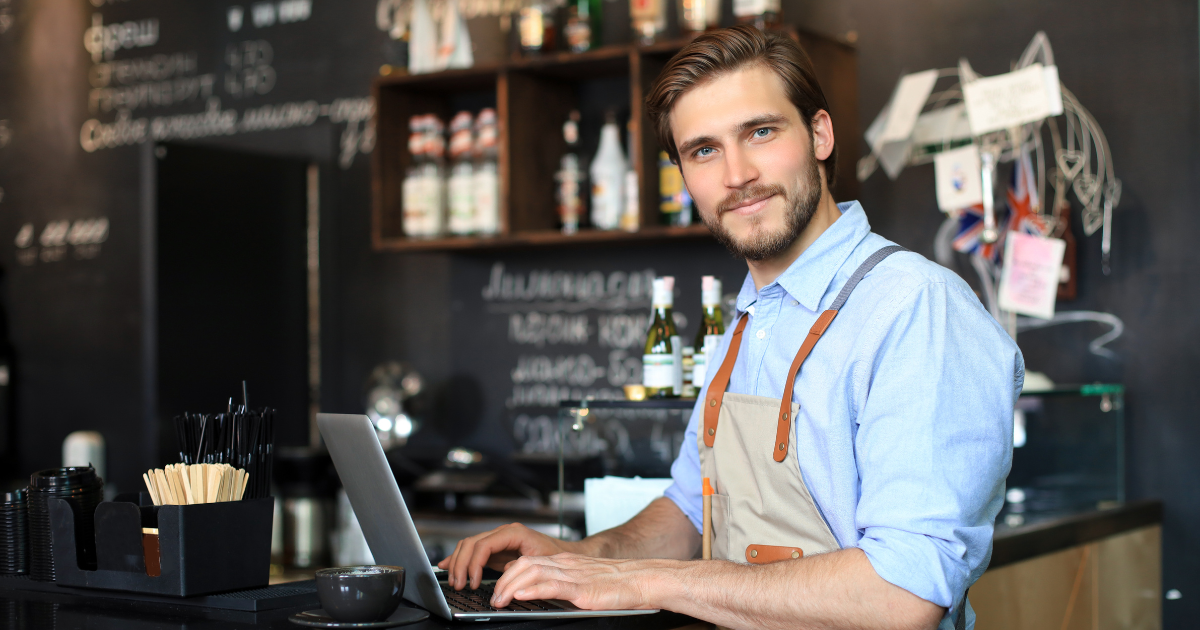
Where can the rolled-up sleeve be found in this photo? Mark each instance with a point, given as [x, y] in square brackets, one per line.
[685, 471]
[933, 444]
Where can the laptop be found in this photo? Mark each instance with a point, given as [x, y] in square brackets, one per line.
[393, 539]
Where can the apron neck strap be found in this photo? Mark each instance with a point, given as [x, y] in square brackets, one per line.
[783, 430]
[716, 388]
[720, 381]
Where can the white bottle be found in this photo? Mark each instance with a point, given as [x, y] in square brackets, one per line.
[461, 183]
[710, 301]
[422, 42]
[486, 174]
[433, 179]
[412, 191]
[630, 214]
[608, 178]
[676, 342]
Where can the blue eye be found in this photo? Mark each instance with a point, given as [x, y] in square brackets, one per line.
[761, 133]
[703, 151]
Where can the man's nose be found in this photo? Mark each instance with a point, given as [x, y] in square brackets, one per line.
[739, 168]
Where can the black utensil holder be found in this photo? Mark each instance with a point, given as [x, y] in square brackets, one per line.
[205, 548]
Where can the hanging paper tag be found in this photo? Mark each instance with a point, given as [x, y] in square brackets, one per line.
[1029, 281]
[1013, 99]
[906, 104]
[957, 175]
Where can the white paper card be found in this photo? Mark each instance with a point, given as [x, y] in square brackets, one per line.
[1029, 281]
[893, 156]
[1053, 90]
[1008, 100]
[906, 104]
[611, 501]
[942, 126]
[958, 180]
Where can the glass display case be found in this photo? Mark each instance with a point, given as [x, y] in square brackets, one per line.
[1068, 447]
[1068, 453]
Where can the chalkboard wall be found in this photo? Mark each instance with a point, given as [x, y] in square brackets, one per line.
[81, 317]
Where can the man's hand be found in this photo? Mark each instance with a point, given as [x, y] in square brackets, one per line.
[661, 530]
[495, 549]
[589, 583]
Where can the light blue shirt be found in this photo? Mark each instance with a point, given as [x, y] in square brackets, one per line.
[904, 433]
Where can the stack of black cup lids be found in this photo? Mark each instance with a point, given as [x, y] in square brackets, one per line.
[14, 533]
[83, 489]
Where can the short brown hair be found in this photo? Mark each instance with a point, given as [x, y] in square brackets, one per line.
[727, 50]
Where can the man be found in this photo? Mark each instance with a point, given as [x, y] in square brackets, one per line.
[867, 499]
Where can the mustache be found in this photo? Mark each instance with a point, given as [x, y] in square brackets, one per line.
[757, 191]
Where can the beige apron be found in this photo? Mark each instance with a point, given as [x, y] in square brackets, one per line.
[762, 511]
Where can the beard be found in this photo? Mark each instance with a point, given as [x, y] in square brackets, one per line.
[762, 244]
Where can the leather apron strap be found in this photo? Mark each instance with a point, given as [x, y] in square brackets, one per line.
[716, 389]
[783, 430]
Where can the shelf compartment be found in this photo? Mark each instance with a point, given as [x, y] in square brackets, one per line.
[545, 238]
[533, 96]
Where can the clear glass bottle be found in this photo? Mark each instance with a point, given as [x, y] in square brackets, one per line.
[412, 195]
[631, 216]
[570, 177]
[460, 185]
[535, 27]
[662, 358]
[608, 177]
[649, 19]
[763, 14]
[487, 173]
[712, 328]
[434, 177]
[697, 16]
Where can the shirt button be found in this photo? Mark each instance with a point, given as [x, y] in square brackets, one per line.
[795, 303]
[761, 334]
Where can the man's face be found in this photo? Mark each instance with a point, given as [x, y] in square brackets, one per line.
[748, 160]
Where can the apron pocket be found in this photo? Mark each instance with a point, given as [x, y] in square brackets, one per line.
[720, 525]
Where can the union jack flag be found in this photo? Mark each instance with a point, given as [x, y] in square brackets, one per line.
[1023, 215]
[1024, 207]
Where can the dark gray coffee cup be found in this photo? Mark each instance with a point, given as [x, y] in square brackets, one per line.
[360, 594]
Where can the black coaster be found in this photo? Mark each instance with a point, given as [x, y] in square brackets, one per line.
[319, 619]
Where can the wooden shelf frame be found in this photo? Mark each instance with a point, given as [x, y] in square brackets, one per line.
[532, 97]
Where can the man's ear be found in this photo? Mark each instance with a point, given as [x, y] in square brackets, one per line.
[822, 135]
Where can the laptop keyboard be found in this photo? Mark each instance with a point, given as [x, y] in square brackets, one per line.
[477, 600]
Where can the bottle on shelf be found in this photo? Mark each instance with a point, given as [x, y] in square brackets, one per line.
[581, 32]
[486, 173]
[434, 177]
[631, 213]
[460, 185]
[649, 19]
[697, 16]
[763, 14]
[712, 328]
[413, 215]
[535, 27]
[689, 365]
[570, 177]
[662, 358]
[422, 188]
[608, 177]
[674, 203]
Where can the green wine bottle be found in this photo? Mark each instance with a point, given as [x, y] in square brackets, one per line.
[662, 360]
[712, 327]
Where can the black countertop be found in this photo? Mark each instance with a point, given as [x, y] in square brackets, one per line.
[38, 610]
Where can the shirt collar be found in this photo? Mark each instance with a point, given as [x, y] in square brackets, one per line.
[809, 276]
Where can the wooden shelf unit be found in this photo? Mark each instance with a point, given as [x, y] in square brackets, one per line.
[533, 97]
